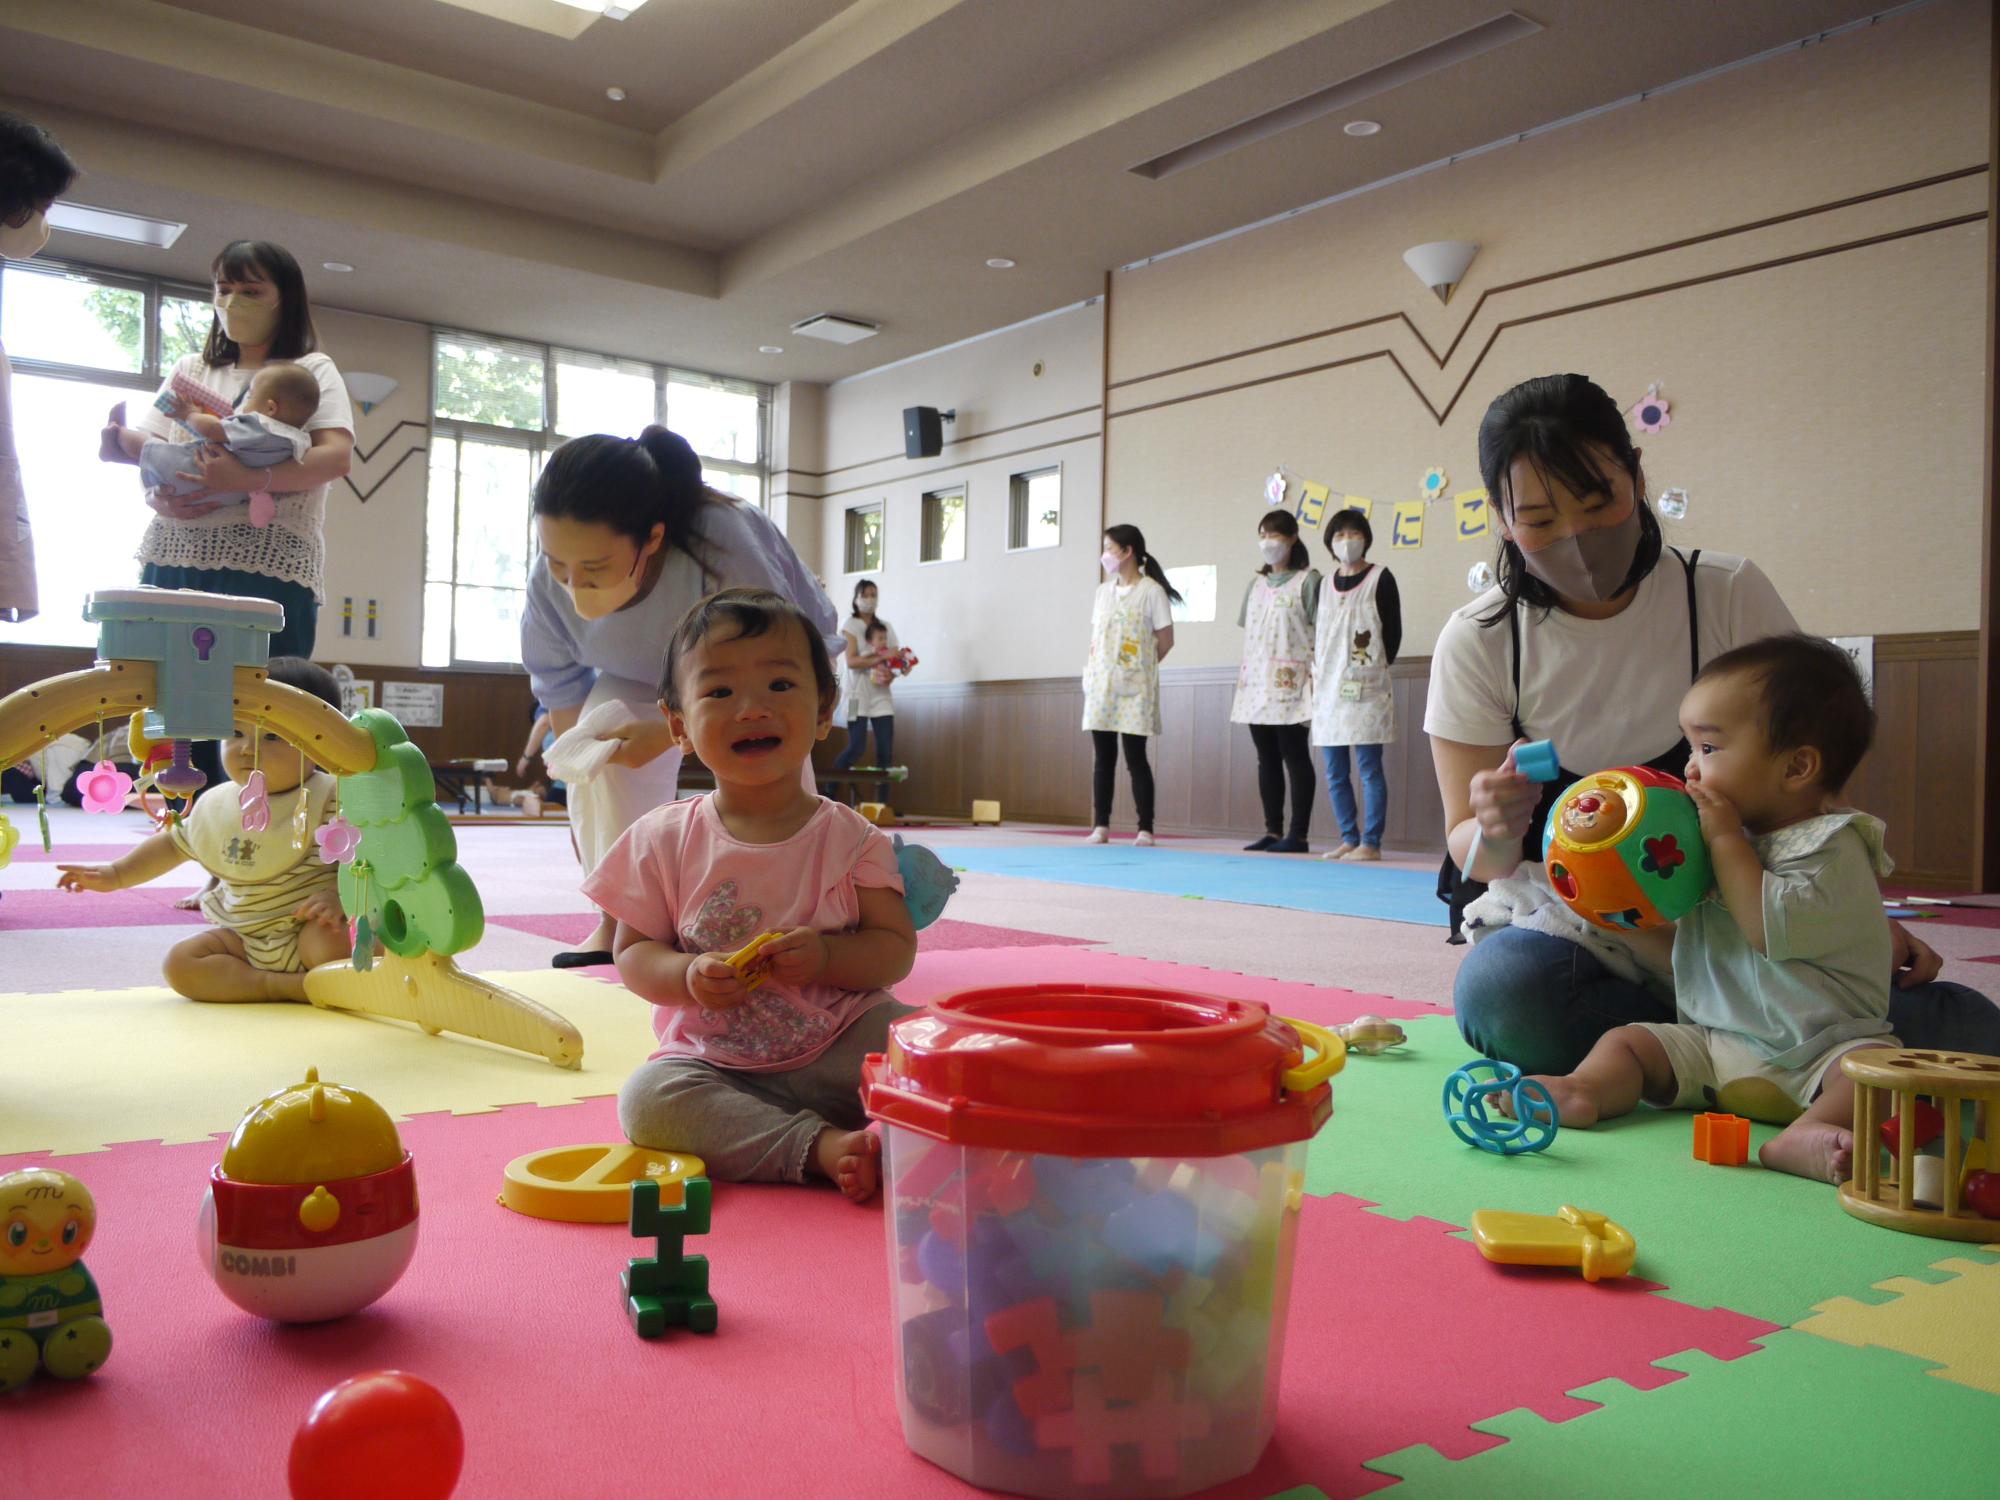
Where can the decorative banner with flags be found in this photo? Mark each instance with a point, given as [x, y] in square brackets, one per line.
[1474, 517]
[1408, 530]
[1312, 503]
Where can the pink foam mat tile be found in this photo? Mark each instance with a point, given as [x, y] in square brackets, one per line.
[29, 851]
[51, 909]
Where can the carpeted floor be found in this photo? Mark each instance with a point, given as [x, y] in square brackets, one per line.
[1774, 1346]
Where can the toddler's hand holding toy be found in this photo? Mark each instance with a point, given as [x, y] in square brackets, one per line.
[796, 958]
[1719, 817]
[323, 909]
[714, 984]
[88, 878]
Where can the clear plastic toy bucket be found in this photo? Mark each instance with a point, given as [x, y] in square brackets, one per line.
[1092, 1208]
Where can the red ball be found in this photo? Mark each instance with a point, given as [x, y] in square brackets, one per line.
[386, 1435]
[1982, 1192]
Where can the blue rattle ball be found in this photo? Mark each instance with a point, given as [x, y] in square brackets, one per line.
[1466, 1092]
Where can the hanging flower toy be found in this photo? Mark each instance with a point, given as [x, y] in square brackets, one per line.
[1274, 488]
[1652, 411]
[255, 802]
[1433, 483]
[104, 788]
[338, 841]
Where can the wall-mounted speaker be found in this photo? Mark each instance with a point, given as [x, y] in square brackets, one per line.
[923, 432]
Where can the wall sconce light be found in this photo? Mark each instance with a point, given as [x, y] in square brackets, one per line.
[1441, 265]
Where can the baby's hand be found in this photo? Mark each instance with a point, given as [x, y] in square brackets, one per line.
[797, 957]
[87, 877]
[714, 984]
[1719, 817]
[323, 908]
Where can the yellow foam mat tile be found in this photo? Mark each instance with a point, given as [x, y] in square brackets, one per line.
[83, 1069]
[1953, 1324]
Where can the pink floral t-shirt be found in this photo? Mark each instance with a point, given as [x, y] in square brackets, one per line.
[680, 877]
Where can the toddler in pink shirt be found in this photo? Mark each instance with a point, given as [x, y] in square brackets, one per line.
[763, 1084]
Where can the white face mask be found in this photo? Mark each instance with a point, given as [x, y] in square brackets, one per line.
[1348, 548]
[1275, 549]
[24, 241]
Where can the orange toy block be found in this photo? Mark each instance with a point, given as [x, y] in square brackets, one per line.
[1722, 1140]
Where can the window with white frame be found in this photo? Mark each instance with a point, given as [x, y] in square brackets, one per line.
[864, 538]
[498, 408]
[80, 341]
[943, 538]
[1034, 509]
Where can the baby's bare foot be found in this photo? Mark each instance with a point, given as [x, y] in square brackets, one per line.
[852, 1160]
[1817, 1149]
[1575, 1108]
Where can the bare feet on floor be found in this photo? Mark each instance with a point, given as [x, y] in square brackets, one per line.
[1575, 1107]
[851, 1160]
[1817, 1149]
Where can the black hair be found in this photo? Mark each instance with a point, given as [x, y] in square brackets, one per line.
[1554, 421]
[1350, 520]
[631, 485]
[1284, 523]
[875, 627]
[1134, 540]
[1812, 695]
[260, 260]
[293, 383]
[854, 602]
[306, 676]
[752, 612]
[34, 170]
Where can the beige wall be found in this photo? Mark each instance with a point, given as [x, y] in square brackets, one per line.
[998, 614]
[1827, 416]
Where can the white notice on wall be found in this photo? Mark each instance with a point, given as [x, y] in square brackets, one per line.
[1861, 651]
[1196, 586]
[416, 705]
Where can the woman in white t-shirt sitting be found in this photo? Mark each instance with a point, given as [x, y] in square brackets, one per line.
[1589, 639]
[199, 542]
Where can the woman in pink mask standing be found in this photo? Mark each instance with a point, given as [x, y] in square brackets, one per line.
[630, 538]
[1589, 639]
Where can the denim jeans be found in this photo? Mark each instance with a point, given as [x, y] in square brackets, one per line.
[1541, 1002]
[1374, 790]
[857, 741]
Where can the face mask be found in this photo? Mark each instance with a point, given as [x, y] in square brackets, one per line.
[1276, 550]
[1348, 548]
[1111, 562]
[247, 321]
[597, 602]
[23, 241]
[1590, 566]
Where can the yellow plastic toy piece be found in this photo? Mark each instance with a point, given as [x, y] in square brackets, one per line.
[593, 1184]
[438, 996]
[9, 837]
[1332, 1057]
[321, 1210]
[312, 1132]
[1575, 1237]
[137, 740]
[745, 961]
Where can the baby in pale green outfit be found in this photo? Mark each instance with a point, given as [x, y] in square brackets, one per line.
[1785, 966]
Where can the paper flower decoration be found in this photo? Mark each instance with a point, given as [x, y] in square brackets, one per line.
[1651, 410]
[1433, 483]
[1274, 488]
[338, 841]
[255, 802]
[1673, 504]
[1479, 577]
[104, 788]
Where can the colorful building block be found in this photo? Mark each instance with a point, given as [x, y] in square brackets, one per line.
[1157, 1426]
[669, 1289]
[1722, 1140]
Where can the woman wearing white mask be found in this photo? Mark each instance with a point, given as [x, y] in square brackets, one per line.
[1356, 637]
[1589, 639]
[1131, 632]
[1274, 695]
[34, 172]
[629, 539]
[262, 314]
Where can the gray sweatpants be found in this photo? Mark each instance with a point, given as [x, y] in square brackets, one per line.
[754, 1127]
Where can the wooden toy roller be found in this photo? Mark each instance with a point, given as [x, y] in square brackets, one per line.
[1887, 1083]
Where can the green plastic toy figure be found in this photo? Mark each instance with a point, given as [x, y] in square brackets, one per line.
[51, 1316]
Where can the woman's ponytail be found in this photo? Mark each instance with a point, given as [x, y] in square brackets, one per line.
[1134, 540]
[630, 485]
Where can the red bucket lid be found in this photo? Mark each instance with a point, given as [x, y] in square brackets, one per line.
[1095, 1070]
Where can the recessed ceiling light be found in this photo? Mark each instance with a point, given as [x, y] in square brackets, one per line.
[335, 265]
[770, 349]
[835, 328]
[113, 224]
[614, 10]
[999, 263]
[1363, 127]
[615, 94]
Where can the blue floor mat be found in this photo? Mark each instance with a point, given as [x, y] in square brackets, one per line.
[1336, 887]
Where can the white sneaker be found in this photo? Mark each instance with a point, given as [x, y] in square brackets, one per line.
[1341, 853]
[1144, 839]
[1100, 836]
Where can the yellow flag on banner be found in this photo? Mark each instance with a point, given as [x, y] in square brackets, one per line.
[1312, 503]
[1472, 514]
[1355, 502]
[1409, 527]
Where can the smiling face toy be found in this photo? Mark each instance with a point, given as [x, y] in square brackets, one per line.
[51, 1316]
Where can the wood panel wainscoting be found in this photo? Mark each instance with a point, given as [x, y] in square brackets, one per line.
[1018, 742]
[486, 714]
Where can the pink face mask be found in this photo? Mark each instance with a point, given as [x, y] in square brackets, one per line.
[1110, 560]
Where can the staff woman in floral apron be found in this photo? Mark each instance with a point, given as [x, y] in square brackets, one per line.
[1274, 684]
[1360, 629]
[1131, 632]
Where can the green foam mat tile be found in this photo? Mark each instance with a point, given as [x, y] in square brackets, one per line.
[1755, 1242]
[1802, 1419]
